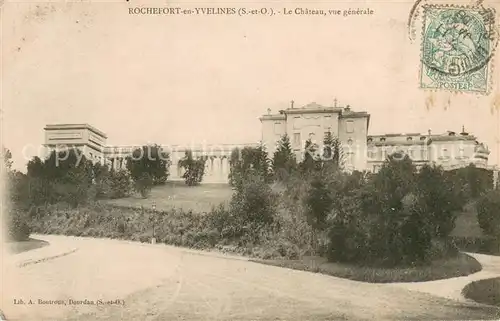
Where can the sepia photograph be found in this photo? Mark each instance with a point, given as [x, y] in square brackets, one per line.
[249, 160]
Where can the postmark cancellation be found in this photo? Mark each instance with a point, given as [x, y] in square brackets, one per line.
[457, 49]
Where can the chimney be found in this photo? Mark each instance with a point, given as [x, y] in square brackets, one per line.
[463, 133]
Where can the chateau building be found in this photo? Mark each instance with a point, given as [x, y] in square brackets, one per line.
[360, 150]
[367, 152]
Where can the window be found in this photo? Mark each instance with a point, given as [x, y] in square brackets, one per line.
[461, 153]
[350, 158]
[327, 121]
[424, 154]
[277, 127]
[296, 139]
[296, 122]
[350, 126]
[445, 155]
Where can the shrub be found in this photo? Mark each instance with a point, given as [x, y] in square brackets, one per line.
[392, 218]
[17, 226]
[109, 183]
[488, 213]
[119, 183]
[252, 207]
[319, 204]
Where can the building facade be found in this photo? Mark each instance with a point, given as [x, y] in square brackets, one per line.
[368, 152]
[92, 144]
[312, 122]
[89, 140]
[360, 150]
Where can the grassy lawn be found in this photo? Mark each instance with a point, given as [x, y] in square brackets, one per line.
[23, 246]
[440, 269]
[466, 224]
[484, 291]
[178, 195]
[468, 235]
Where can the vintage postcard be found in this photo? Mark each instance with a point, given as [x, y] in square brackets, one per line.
[250, 160]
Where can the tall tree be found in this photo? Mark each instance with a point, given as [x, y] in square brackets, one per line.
[333, 155]
[151, 160]
[194, 169]
[310, 160]
[284, 161]
[66, 175]
[248, 160]
[35, 167]
[7, 158]
[262, 162]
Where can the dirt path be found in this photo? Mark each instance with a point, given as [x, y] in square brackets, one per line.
[452, 288]
[166, 283]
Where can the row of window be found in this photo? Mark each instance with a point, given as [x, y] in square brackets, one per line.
[297, 139]
[349, 127]
[382, 139]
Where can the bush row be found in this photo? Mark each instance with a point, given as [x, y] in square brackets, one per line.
[396, 217]
[249, 224]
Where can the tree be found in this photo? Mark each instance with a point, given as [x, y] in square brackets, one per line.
[194, 169]
[310, 161]
[333, 156]
[17, 228]
[318, 203]
[101, 178]
[261, 162]
[488, 209]
[283, 159]
[7, 158]
[151, 160]
[35, 167]
[437, 191]
[66, 175]
[248, 160]
[143, 185]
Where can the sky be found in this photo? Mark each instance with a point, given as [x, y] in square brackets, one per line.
[207, 79]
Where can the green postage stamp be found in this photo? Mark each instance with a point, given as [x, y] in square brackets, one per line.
[458, 44]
